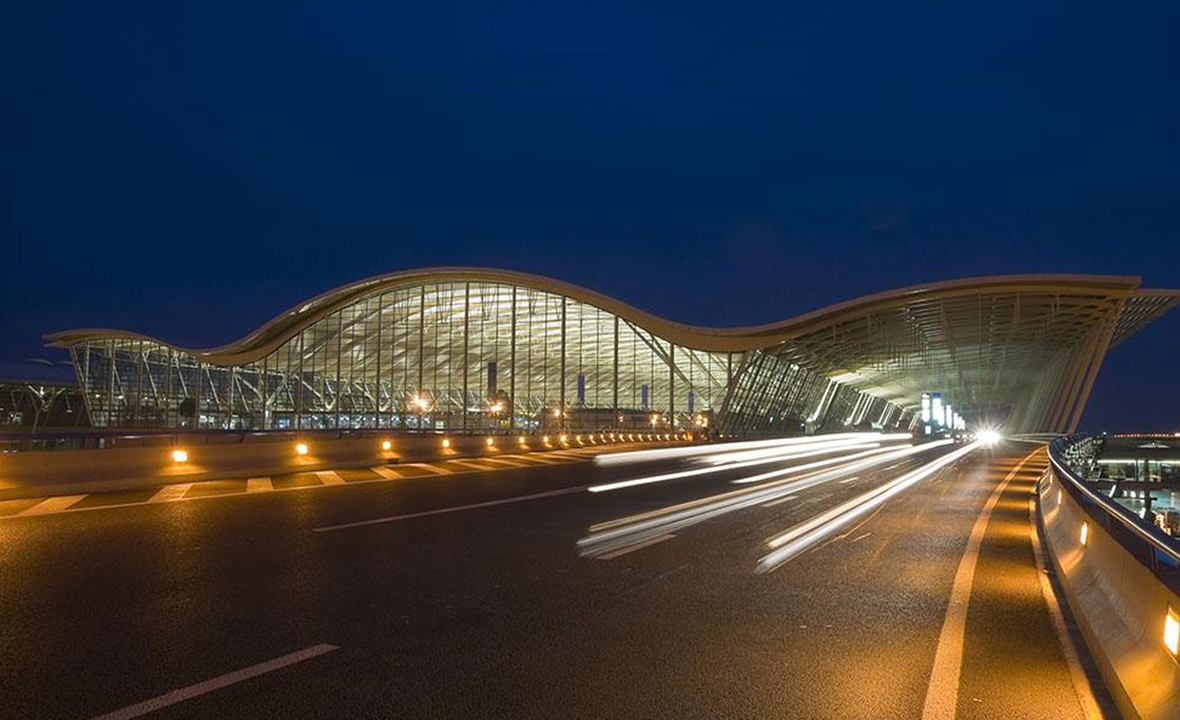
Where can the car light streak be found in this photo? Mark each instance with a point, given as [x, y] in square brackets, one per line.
[806, 534]
[663, 477]
[819, 444]
[608, 536]
[679, 453]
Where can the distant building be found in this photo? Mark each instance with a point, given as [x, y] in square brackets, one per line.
[40, 395]
[479, 350]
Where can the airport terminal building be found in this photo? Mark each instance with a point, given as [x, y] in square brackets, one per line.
[467, 349]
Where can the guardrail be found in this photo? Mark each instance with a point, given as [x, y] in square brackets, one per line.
[1121, 578]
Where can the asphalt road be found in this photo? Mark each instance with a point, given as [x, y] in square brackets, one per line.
[469, 595]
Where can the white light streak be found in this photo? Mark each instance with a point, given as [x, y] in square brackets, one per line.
[806, 534]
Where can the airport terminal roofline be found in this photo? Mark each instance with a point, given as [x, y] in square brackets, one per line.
[278, 330]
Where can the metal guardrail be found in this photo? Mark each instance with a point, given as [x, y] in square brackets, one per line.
[1120, 576]
[1150, 541]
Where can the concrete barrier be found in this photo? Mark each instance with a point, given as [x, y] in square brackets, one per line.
[1121, 578]
[148, 460]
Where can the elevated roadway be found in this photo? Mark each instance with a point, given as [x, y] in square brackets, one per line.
[552, 589]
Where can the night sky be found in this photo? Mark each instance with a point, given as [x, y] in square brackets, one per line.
[189, 170]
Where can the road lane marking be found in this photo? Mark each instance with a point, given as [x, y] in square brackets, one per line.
[942, 692]
[637, 546]
[259, 484]
[329, 477]
[170, 493]
[781, 500]
[385, 472]
[221, 681]
[51, 505]
[457, 508]
[1077, 673]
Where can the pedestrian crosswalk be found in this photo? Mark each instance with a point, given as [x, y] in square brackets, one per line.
[177, 492]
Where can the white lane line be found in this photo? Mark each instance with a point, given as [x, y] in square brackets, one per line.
[1081, 684]
[457, 508]
[387, 473]
[57, 504]
[546, 459]
[471, 464]
[192, 691]
[169, 493]
[329, 477]
[779, 501]
[259, 484]
[637, 546]
[942, 693]
[845, 481]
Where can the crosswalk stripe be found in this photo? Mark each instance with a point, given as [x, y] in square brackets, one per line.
[259, 484]
[329, 477]
[387, 473]
[52, 505]
[171, 492]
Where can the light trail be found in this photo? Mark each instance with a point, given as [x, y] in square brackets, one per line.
[894, 454]
[634, 529]
[679, 474]
[806, 534]
[731, 457]
[681, 453]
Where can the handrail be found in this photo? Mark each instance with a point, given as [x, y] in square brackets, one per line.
[1157, 538]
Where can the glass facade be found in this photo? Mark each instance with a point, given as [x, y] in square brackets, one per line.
[466, 356]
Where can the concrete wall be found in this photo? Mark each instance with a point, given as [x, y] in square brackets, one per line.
[148, 460]
[1118, 594]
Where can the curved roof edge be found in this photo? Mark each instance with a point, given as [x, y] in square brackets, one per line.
[278, 330]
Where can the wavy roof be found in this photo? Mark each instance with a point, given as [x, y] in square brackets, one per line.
[991, 341]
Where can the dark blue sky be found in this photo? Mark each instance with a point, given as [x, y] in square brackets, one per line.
[191, 169]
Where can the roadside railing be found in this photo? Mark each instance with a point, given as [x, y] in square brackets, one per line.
[1121, 578]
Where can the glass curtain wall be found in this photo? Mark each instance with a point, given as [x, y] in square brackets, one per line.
[473, 356]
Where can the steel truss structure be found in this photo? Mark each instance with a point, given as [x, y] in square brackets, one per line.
[492, 350]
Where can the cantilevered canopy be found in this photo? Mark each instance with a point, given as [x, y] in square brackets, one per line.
[1027, 347]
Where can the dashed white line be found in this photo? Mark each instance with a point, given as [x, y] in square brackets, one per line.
[52, 505]
[471, 464]
[329, 477]
[169, 493]
[259, 484]
[192, 691]
[437, 469]
[502, 461]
